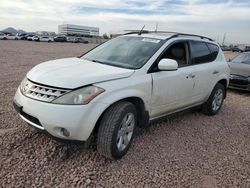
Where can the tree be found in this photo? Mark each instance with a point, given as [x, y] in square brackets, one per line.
[105, 36]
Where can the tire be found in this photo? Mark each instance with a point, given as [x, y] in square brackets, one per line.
[215, 100]
[119, 119]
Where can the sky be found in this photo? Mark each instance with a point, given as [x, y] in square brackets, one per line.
[211, 18]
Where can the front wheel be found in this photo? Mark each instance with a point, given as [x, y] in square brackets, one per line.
[116, 130]
[215, 100]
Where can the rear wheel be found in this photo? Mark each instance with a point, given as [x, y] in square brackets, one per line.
[116, 130]
[215, 100]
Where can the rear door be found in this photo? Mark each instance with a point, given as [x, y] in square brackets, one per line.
[203, 57]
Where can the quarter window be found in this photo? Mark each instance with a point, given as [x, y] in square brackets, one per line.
[200, 52]
[214, 50]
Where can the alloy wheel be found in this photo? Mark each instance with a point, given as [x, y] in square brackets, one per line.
[125, 132]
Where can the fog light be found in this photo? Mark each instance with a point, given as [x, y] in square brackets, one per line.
[65, 132]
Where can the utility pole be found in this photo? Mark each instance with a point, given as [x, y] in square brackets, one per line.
[224, 38]
[156, 27]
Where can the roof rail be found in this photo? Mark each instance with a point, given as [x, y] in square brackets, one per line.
[175, 34]
[191, 35]
[136, 32]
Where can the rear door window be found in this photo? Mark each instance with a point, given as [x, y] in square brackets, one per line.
[214, 50]
[200, 52]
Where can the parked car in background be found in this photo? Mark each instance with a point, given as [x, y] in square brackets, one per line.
[247, 49]
[22, 36]
[80, 40]
[225, 48]
[123, 83]
[236, 49]
[240, 72]
[60, 39]
[70, 39]
[3, 36]
[30, 37]
[35, 38]
[11, 37]
[45, 39]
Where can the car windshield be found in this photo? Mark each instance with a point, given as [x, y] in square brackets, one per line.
[126, 52]
[242, 58]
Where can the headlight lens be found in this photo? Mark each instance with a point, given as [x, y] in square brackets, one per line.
[23, 85]
[80, 96]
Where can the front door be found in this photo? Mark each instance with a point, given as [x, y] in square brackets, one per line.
[173, 90]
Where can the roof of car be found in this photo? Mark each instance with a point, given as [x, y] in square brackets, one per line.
[164, 35]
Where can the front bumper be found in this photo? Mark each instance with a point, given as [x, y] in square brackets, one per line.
[78, 120]
[240, 83]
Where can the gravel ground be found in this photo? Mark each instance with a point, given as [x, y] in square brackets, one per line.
[186, 150]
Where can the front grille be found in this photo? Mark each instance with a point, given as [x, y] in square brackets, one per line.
[40, 92]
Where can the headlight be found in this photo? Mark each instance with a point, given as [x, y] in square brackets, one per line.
[80, 96]
[23, 85]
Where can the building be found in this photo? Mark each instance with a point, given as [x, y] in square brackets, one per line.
[69, 29]
[46, 33]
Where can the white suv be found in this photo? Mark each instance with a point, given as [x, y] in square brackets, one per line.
[123, 83]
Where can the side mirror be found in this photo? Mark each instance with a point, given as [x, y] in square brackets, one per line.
[167, 65]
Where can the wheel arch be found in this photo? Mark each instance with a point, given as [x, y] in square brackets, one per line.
[224, 82]
[142, 113]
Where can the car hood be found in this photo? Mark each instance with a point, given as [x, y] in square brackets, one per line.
[75, 72]
[240, 69]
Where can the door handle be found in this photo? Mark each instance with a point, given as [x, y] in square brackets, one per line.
[190, 76]
[215, 72]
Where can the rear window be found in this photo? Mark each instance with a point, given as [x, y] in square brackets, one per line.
[200, 52]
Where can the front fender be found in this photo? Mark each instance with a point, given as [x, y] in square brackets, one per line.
[116, 90]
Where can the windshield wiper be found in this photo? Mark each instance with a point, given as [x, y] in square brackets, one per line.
[97, 61]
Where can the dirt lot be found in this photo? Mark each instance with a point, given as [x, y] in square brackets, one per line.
[188, 150]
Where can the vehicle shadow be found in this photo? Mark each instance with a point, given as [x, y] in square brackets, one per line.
[65, 150]
[240, 92]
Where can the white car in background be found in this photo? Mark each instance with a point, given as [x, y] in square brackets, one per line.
[46, 39]
[30, 37]
[2, 36]
[123, 83]
[70, 39]
[35, 38]
[11, 37]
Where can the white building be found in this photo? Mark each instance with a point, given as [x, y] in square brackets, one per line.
[69, 29]
[46, 33]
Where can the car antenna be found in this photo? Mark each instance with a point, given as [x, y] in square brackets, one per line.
[141, 30]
